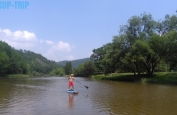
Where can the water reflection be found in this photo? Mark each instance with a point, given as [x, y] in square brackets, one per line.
[71, 100]
[47, 96]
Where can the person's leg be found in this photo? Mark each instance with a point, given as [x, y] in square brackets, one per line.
[69, 85]
[72, 85]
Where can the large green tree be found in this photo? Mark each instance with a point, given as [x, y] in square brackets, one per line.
[142, 44]
[98, 57]
[170, 47]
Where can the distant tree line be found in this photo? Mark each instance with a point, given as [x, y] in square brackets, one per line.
[65, 70]
[84, 70]
[14, 61]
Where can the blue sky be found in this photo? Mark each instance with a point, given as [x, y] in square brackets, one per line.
[70, 29]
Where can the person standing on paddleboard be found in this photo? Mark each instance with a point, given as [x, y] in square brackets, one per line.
[71, 81]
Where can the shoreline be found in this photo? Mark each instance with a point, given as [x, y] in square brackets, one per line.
[157, 78]
[14, 76]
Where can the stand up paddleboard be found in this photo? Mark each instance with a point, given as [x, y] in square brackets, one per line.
[71, 91]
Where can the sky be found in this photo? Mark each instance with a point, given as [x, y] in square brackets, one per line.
[70, 29]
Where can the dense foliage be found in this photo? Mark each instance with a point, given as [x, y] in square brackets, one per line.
[14, 61]
[10, 61]
[142, 46]
[57, 72]
[37, 63]
[85, 70]
[68, 68]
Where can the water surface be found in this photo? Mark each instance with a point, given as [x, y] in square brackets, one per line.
[47, 96]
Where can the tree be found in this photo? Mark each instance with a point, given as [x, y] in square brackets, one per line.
[166, 25]
[143, 57]
[88, 69]
[68, 68]
[85, 70]
[142, 44]
[98, 56]
[57, 71]
[4, 62]
[24, 62]
[170, 45]
[140, 37]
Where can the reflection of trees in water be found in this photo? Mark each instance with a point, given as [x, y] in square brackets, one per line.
[7, 89]
[16, 89]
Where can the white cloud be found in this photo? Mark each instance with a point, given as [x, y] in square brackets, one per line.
[26, 40]
[61, 46]
[21, 45]
[7, 32]
[59, 51]
[24, 35]
[19, 39]
[49, 42]
[18, 36]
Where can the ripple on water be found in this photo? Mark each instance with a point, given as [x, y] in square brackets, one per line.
[47, 96]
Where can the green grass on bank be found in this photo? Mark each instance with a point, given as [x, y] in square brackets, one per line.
[14, 75]
[160, 77]
[164, 78]
[18, 76]
[22, 75]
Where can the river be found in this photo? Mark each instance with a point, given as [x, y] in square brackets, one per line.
[47, 96]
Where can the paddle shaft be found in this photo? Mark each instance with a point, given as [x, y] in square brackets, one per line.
[82, 84]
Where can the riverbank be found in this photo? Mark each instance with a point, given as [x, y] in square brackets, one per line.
[159, 78]
[21, 75]
[14, 75]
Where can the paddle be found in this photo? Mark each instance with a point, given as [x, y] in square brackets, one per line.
[82, 84]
